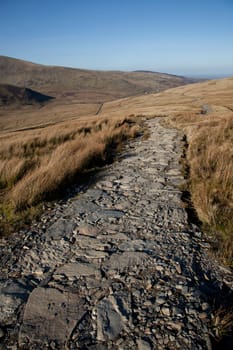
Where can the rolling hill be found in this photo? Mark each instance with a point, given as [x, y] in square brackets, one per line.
[29, 136]
[82, 85]
[212, 97]
[16, 96]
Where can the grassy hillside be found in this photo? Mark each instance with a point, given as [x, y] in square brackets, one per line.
[11, 95]
[36, 165]
[84, 85]
[204, 111]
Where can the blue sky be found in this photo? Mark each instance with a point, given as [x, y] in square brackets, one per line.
[189, 37]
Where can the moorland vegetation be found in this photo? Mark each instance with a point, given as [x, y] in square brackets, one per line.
[38, 160]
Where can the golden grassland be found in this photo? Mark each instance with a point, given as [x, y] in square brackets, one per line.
[56, 111]
[210, 159]
[204, 112]
[36, 163]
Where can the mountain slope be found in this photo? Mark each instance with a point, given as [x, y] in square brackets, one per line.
[14, 95]
[84, 85]
[199, 98]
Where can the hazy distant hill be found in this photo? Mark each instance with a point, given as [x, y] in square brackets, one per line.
[14, 95]
[84, 85]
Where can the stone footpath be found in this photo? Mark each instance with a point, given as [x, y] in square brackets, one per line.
[116, 267]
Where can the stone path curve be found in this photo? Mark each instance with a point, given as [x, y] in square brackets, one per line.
[117, 267]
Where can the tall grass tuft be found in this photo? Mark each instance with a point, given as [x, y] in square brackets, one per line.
[210, 157]
[35, 166]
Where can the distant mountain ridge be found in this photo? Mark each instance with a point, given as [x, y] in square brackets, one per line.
[84, 85]
[159, 73]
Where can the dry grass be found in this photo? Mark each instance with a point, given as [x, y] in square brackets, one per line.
[35, 165]
[204, 111]
[210, 158]
[54, 112]
[222, 323]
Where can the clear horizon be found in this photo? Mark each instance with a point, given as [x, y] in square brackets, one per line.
[191, 38]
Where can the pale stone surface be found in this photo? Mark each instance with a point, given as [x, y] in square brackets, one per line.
[126, 260]
[109, 321]
[60, 229]
[87, 230]
[50, 315]
[77, 270]
[143, 345]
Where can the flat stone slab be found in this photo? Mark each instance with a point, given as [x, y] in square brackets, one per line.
[87, 230]
[12, 295]
[50, 315]
[109, 321]
[78, 270]
[126, 261]
[82, 206]
[62, 228]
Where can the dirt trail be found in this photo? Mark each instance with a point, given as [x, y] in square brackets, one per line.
[117, 267]
[99, 109]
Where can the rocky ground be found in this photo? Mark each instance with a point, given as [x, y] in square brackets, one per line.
[119, 266]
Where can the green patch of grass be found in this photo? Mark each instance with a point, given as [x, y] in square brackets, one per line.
[12, 221]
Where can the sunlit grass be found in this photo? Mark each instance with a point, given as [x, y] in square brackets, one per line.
[210, 158]
[35, 166]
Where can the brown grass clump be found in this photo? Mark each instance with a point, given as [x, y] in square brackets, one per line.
[206, 117]
[36, 165]
[210, 157]
[222, 323]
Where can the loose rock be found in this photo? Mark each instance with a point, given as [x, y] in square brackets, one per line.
[119, 266]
